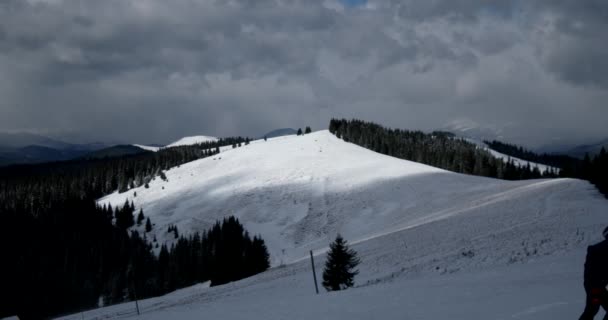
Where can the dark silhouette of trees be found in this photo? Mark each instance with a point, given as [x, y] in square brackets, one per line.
[140, 217]
[308, 130]
[62, 252]
[148, 225]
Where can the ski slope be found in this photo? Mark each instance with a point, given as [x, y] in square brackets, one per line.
[432, 242]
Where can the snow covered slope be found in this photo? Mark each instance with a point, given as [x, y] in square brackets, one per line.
[432, 243]
[299, 191]
[186, 141]
[148, 148]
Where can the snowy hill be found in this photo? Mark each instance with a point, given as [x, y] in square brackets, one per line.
[148, 148]
[431, 242]
[186, 141]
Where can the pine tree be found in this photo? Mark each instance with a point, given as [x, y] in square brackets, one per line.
[308, 130]
[300, 131]
[148, 225]
[140, 217]
[339, 270]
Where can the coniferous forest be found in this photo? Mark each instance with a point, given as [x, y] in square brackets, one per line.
[594, 169]
[438, 149]
[64, 253]
[446, 151]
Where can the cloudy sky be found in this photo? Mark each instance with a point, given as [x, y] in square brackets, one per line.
[153, 70]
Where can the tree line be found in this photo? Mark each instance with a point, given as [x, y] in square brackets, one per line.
[438, 149]
[62, 252]
[594, 169]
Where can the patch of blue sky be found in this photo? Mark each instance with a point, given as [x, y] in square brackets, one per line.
[354, 3]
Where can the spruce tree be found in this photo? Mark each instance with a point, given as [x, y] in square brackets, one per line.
[148, 225]
[308, 130]
[300, 131]
[339, 272]
[140, 217]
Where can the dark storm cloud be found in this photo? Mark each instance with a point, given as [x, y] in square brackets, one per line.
[152, 70]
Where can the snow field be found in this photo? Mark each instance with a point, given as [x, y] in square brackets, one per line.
[432, 243]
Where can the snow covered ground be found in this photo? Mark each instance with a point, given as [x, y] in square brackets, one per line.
[148, 148]
[432, 243]
[544, 289]
[186, 141]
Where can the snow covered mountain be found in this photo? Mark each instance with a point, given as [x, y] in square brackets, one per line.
[432, 242]
[186, 141]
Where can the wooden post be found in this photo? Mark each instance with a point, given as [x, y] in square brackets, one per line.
[314, 273]
[136, 302]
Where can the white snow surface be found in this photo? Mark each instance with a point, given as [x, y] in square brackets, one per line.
[433, 243]
[186, 141]
[148, 148]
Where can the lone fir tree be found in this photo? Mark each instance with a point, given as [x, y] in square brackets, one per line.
[339, 271]
[140, 217]
[149, 226]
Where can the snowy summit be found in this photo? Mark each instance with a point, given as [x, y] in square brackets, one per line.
[186, 141]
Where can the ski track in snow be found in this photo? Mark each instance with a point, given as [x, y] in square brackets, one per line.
[432, 243]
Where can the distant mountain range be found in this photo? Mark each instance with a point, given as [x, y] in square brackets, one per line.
[591, 149]
[470, 129]
[27, 148]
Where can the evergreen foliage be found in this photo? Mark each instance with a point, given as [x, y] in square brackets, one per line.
[444, 150]
[438, 149]
[307, 130]
[140, 217]
[62, 252]
[558, 161]
[594, 170]
[149, 226]
[299, 132]
[339, 272]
